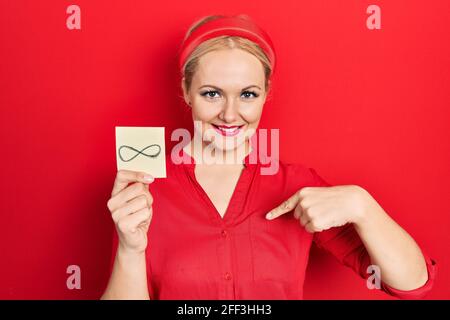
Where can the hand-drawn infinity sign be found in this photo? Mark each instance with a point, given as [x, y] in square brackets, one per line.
[154, 155]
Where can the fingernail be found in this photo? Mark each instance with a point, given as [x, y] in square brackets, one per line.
[269, 215]
[148, 178]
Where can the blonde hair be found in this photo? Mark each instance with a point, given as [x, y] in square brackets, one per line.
[219, 43]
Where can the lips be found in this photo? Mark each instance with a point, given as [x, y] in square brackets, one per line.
[227, 130]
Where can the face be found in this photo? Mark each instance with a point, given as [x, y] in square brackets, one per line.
[227, 95]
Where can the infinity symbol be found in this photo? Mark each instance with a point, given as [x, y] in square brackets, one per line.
[140, 152]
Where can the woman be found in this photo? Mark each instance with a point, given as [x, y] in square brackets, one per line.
[217, 230]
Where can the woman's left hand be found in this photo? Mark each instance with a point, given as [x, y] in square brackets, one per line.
[321, 208]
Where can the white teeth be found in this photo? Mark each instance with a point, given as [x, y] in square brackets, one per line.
[228, 130]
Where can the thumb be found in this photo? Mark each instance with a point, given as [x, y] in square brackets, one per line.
[286, 206]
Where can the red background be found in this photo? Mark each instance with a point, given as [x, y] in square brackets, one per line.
[367, 107]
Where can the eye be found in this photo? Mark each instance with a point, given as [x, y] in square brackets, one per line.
[209, 94]
[248, 94]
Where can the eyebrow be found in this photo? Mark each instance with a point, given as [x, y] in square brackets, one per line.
[248, 87]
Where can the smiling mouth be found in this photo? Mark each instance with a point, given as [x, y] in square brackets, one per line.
[228, 130]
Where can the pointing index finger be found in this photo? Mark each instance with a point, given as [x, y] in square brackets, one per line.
[286, 206]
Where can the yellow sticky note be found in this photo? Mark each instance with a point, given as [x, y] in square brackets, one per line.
[141, 149]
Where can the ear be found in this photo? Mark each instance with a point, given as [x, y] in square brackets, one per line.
[269, 87]
[185, 94]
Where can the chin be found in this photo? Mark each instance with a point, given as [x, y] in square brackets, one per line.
[227, 145]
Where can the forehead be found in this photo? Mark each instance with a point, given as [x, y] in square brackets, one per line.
[229, 68]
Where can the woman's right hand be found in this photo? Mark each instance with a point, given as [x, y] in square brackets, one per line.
[131, 209]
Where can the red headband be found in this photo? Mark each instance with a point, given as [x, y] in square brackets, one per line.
[241, 26]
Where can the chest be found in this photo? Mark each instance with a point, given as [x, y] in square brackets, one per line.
[196, 254]
[219, 184]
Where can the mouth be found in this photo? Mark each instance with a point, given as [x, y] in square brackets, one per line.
[227, 131]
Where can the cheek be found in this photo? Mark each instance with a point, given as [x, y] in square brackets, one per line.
[209, 111]
[252, 115]
[205, 112]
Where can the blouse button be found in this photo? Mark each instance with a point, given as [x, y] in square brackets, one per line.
[227, 276]
[224, 233]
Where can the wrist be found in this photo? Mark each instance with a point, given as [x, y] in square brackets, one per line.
[129, 255]
[366, 207]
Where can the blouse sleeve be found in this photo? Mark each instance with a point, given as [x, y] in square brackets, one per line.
[346, 246]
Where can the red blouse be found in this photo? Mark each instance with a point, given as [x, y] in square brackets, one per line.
[194, 253]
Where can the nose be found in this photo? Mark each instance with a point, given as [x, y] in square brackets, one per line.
[229, 113]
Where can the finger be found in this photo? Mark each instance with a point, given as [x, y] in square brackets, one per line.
[129, 208]
[304, 219]
[298, 211]
[286, 206]
[132, 222]
[124, 177]
[309, 227]
[136, 203]
[314, 226]
[127, 194]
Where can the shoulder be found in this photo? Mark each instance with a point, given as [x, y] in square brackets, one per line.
[293, 176]
[300, 172]
[297, 169]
